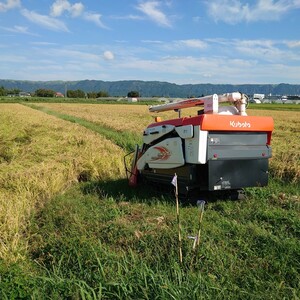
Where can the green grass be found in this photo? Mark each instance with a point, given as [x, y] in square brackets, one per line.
[96, 242]
[274, 106]
[110, 100]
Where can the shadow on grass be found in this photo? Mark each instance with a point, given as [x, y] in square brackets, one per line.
[119, 190]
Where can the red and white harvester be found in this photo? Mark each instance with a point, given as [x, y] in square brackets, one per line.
[221, 148]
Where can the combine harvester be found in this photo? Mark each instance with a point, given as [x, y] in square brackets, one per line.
[219, 149]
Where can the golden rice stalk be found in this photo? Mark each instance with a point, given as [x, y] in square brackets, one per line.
[285, 163]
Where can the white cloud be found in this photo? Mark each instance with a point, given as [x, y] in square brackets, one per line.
[44, 21]
[60, 6]
[43, 44]
[223, 61]
[235, 11]
[267, 51]
[152, 41]
[188, 69]
[179, 45]
[108, 55]
[151, 9]
[128, 17]
[76, 10]
[255, 43]
[13, 58]
[94, 18]
[18, 29]
[10, 4]
[263, 52]
[193, 43]
[293, 44]
[72, 55]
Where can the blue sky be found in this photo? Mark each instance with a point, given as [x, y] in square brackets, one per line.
[178, 41]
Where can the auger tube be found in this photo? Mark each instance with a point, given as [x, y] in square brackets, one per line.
[237, 98]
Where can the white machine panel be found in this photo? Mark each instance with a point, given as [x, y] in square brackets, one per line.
[153, 133]
[211, 105]
[196, 147]
[167, 154]
[185, 132]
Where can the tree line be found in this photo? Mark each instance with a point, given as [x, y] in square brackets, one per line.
[7, 92]
[69, 93]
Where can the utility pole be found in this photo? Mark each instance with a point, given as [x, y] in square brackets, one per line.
[65, 90]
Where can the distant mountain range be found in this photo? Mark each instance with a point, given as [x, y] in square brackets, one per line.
[151, 88]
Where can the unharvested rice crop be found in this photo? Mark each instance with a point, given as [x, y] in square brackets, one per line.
[285, 162]
[133, 118]
[40, 156]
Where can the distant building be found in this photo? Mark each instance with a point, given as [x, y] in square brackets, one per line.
[132, 99]
[59, 95]
[255, 100]
[24, 94]
[259, 96]
[272, 99]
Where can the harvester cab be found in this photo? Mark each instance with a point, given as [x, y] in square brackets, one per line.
[219, 149]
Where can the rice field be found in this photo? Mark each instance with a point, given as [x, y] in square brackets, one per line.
[70, 228]
[285, 163]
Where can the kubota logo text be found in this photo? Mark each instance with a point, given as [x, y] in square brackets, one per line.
[239, 124]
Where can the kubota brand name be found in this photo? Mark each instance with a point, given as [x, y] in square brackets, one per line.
[239, 124]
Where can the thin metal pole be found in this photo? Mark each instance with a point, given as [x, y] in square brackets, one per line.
[178, 220]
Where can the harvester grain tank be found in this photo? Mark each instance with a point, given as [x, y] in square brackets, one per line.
[219, 149]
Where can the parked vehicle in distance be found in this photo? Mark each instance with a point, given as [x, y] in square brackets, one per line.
[253, 100]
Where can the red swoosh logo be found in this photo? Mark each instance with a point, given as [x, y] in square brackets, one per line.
[163, 154]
